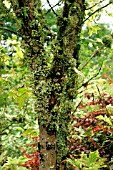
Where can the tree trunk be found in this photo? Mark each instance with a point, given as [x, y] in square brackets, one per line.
[66, 58]
[55, 86]
[48, 150]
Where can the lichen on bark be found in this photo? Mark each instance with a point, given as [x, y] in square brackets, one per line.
[55, 87]
[65, 60]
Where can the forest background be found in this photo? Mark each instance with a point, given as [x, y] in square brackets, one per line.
[89, 107]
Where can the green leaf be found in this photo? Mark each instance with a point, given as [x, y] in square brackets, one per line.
[2, 156]
[105, 118]
[110, 109]
[19, 52]
[93, 162]
[28, 132]
[19, 128]
[22, 159]
[89, 132]
[93, 156]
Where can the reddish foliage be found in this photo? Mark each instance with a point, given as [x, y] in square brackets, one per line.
[107, 77]
[34, 158]
[97, 134]
[34, 161]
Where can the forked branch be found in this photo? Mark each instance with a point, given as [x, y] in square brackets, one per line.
[99, 9]
[52, 8]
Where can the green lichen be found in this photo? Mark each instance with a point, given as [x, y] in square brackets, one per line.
[55, 83]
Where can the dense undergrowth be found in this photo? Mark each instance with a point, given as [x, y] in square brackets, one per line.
[93, 129]
[91, 137]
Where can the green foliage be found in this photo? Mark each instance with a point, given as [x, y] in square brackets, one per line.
[17, 104]
[107, 40]
[12, 164]
[105, 118]
[7, 20]
[90, 43]
[91, 162]
[49, 51]
[93, 121]
[16, 127]
[29, 160]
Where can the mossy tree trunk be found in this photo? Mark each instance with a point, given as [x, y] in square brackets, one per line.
[66, 59]
[55, 84]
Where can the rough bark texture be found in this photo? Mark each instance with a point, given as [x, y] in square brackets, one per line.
[65, 60]
[48, 145]
[55, 86]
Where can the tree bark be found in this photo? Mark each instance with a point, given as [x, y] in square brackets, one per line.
[54, 87]
[66, 58]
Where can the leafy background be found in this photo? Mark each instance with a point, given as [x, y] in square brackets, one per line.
[91, 137]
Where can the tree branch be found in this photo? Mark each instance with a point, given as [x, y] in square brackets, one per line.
[96, 52]
[87, 82]
[9, 30]
[51, 8]
[96, 11]
[94, 5]
[93, 55]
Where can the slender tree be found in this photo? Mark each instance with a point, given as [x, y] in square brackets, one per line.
[54, 77]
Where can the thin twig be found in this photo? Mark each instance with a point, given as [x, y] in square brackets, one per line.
[78, 104]
[96, 11]
[100, 96]
[9, 30]
[93, 55]
[94, 5]
[52, 8]
[87, 82]
[13, 5]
